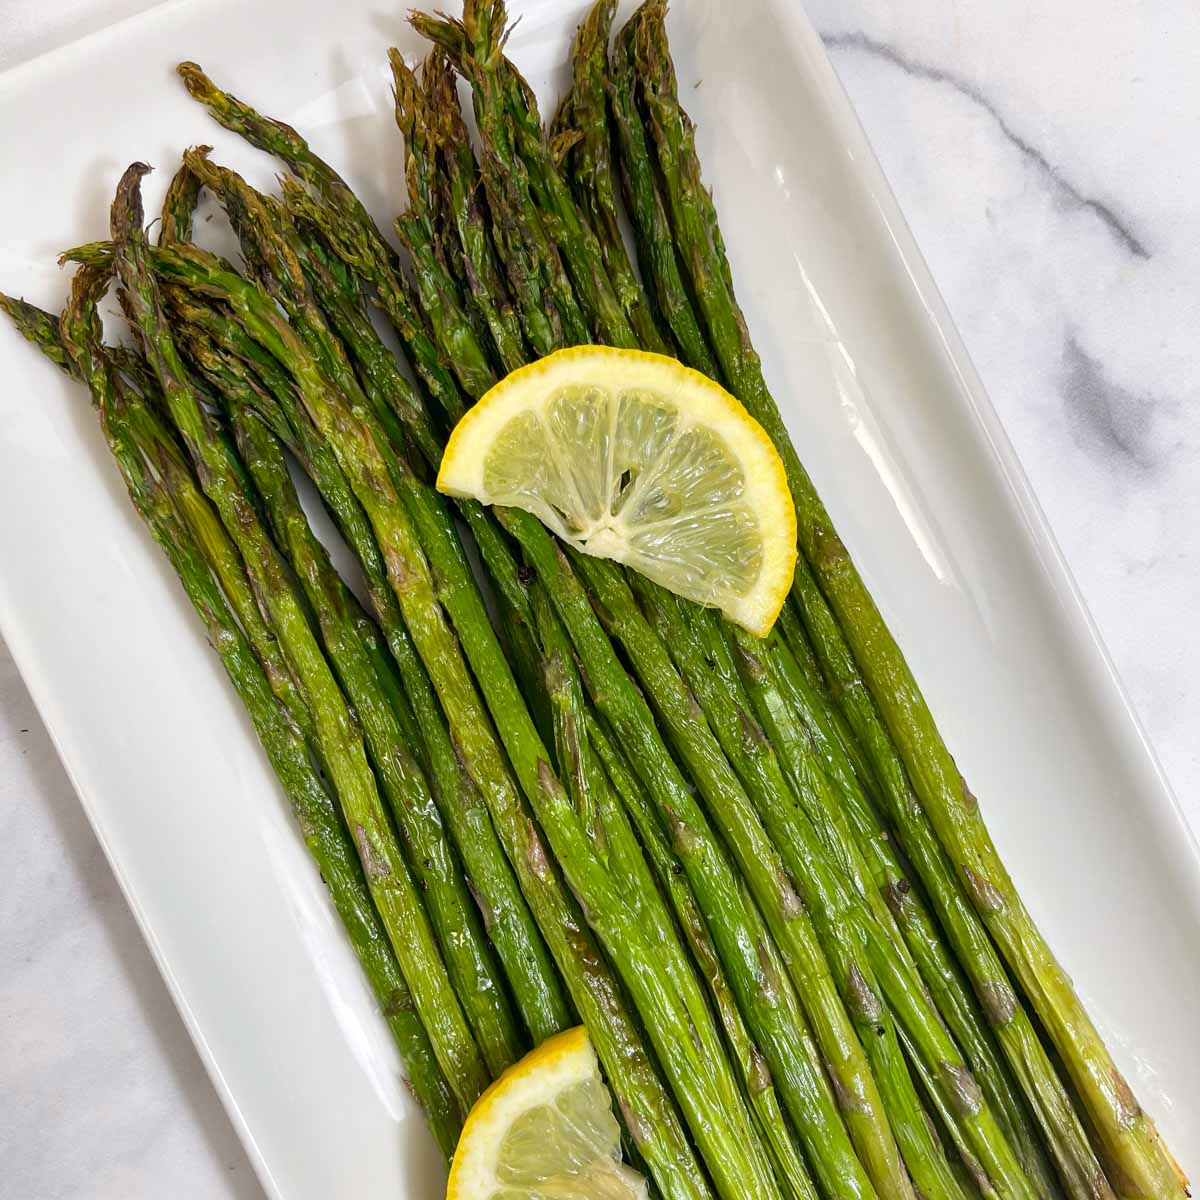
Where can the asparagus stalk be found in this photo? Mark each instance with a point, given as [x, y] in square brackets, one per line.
[1137, 1162]
[838, 1157]
[436, 288]
[392, 886]
[431, 241]
[469, 958]
[722, 1130]
[622, 257]
[696, 644]
[790, 627]
[780, 1027]
[652, 230]
[836, 836]
[849, 828]
[120, 414]
[615, 245]
[776, 1023]
[589, 166]
[390, 392]
[268, 239]
[896, 1049]
[604, 863]
[477, 70]
[360, 235]
[937, 969]
[1067, 1141]
[531, 974]
[731, 1153]
[503, 97]
[41, 329]
[462, 201]
[449, 322]
[756, 1079]
[240, 595]
[648, 1110]
[549, 312]
[709, 669]
[179, 205]
[324, 835]
[743, 828]
[433, 129]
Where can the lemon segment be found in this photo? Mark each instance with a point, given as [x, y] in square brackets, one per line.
[545, 1129]
[636, 458]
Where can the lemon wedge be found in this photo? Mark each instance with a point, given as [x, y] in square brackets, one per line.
[545, 1128]
[636, 458]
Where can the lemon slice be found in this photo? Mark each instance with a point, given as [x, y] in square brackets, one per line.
[545, 1130]
[635, 457]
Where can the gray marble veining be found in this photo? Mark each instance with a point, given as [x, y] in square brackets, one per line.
[857, 40]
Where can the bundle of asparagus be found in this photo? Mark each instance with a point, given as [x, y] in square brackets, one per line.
[749, 866]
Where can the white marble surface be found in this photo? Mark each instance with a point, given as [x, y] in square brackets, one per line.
[1046, 160]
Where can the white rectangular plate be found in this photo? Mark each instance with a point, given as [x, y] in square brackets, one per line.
[887, 413]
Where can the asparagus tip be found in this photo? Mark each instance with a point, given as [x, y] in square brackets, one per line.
[199, 86]
[127, 212]
[406, 92]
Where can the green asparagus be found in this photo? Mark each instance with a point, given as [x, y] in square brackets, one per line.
[121, 413]
[343, 752]
[1138, 1163]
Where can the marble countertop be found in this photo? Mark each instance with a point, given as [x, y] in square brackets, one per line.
[1046, 161]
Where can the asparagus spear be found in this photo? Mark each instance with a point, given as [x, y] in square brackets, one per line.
[502, 97]
[842, 814]
[698, 646]
[341, 744]
[615, 249]
[1137, 1161]
[790, 627]
[589, 166]
[730, 1149]
[469, 959]
[837, 1157]
[864, 1079]
[1066, 1139]
[646, 1106]
[179, 205]
[756, 1078]
[268, 239]
[594, 32]
[549, 312]
[743, 828]
[531, 974]
[241, 596]
[462, 201]
[936, 967]
[431, 241]
[652, 231]
[897, 1049]
[40, 329]
[436, 288]
[361, 236]
[267, 236]
[437, 213]
[326, 839]
[604, 863]
[453, 328]
[776, 1026]
[481, 99]
[722, 1130]
[120, 413]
